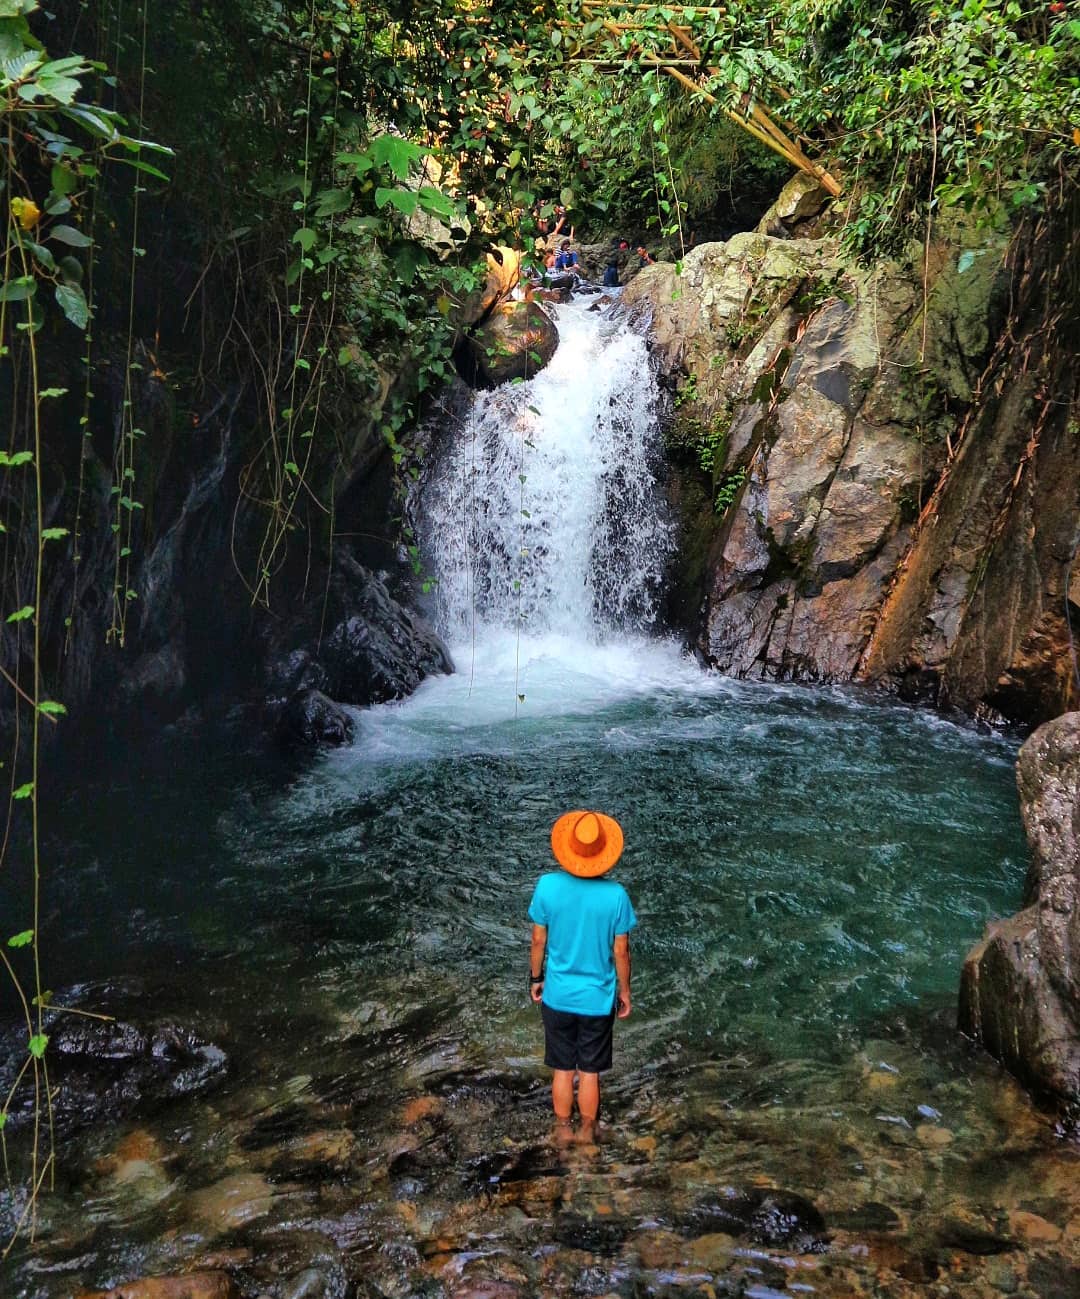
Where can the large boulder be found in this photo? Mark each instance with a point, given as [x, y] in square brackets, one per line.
[360, 647]
[1020, 987]
[515, 340]
[311, 720]
[112, 1068]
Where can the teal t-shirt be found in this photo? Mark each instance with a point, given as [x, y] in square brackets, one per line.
[582, 917]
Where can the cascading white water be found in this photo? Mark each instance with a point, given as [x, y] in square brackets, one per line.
[544, 514]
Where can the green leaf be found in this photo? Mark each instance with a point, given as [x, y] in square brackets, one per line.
[18, 458]
[52, 708]
[53, 534]
[393, 152]
[18, 290]
[63, 180]
[23, 939]
[305, 237]
[51, 392]
[43, 255]
[434, 201]
[403, 199]
[72, 303]
[328, 202]
[361, 162]
[37, 1045]
[70, 236]
[24, 791]
[20, 615]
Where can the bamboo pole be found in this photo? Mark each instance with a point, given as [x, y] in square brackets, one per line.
[747, 126]
[783, 144]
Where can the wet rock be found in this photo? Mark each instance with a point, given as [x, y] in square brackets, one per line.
[594, 1235]
[310, 1284]
[515, 341]
[801, 200]
[137, 1165]
[972, 1237]
[871, 1216]
[1054, 1278]
[310, 719]
[195, 1285]
[764, 1215]
[118, 1067]
[231, 1202]
[364, 648]
[1020, 986]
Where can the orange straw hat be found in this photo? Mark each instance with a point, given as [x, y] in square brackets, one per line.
[586, 843]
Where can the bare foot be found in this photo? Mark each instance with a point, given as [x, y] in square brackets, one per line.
[563, 1132]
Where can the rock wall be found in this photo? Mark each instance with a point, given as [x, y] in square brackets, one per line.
[1020, 988]
[194, 631]
[891, 470]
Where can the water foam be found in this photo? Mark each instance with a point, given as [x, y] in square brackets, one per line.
[544, 514]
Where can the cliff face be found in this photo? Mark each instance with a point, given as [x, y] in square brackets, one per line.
[893, 457]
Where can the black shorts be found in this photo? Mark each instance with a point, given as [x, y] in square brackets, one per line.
[577, 1041]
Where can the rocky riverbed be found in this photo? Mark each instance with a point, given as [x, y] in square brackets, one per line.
[913, 1169]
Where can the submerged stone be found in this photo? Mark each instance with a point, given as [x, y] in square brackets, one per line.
[196, 1285]
[765, 1215]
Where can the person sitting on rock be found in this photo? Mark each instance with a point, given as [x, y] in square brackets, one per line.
[567, 259]
[647, 259]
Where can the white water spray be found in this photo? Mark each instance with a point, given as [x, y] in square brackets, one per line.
[544, 515]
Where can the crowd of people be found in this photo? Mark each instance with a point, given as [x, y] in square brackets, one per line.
[561, 263]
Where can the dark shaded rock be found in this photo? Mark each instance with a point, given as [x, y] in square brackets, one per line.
[115, 1068]
[311, 719]
[1020, 986]
[955, 1233]
[363, 648]
[764, 1215]
[871, 1216]
[196, 1285]
[515, 341]
[594, 1235]
[1053, 1278]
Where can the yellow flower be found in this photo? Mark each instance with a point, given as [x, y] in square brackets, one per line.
[26, 212]
[978, 128]
[1076, 135]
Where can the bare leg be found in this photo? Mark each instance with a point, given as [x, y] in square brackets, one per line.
[588, 1096]
[562, 1093]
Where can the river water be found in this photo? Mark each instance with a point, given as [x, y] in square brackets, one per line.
[791, 1110]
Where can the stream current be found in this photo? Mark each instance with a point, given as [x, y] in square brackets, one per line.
[790, 1111]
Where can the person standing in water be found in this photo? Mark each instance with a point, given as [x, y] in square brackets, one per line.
[582, 923]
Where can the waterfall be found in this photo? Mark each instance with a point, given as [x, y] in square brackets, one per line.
[543, 515]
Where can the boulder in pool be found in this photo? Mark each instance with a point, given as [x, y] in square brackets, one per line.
[311, 720]
[1020, 986]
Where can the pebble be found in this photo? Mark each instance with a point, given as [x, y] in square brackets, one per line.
[931, 1135]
